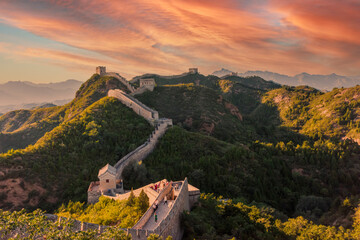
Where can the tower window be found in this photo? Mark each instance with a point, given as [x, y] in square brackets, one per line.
[107, 180]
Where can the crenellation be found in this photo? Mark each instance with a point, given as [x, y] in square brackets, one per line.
[149, 114]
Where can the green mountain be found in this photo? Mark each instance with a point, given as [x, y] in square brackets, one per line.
[332, 115]
[197, 108]
[60, 165]
[21, 128]
[254, 141]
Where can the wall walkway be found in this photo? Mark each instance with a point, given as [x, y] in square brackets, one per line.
[121, 79]
[138, 107]
[141, 152]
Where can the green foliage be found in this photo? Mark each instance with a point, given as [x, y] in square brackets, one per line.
[294, 172]
[216, 218]
[197, 108]
[69, 157]
[107, 211]
[231, 171]
[24, 127]
[154, 236]
[28, 226]
[319, 115]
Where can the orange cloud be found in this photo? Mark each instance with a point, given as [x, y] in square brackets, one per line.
[167, 36]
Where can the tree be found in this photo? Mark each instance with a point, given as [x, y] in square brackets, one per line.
[154, 237]
[131, 199]
[142, 202]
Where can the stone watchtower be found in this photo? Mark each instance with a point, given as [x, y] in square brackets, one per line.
[193, 70]
[147, 82]
[101, 70]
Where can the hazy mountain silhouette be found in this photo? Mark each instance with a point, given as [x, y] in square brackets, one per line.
[322, 82]
[222, 72]
[19, 94]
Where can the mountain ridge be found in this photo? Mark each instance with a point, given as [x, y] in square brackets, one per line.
[319, 81]
[14, 93]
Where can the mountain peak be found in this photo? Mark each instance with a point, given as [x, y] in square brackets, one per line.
[222, 72]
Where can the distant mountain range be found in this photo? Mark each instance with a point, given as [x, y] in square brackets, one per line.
[18, 94]
[321, 82]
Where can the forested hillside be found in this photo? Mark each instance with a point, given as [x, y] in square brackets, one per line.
[60, 165]
[287, 149]
[333, 115]
[21, 128]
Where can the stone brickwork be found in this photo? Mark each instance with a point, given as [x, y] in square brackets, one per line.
[171, 224]
[93, 195]
[121, 79]
[139, 108]
[148, 214]
[78, 225]
[101, 70]
[193, 70]
[140, 153]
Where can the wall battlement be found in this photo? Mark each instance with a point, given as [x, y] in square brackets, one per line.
[122, 80]
[140, 153]
[141, 109]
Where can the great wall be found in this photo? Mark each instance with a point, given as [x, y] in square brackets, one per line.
[180, 195]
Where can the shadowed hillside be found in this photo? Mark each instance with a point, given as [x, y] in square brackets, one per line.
[197, 108]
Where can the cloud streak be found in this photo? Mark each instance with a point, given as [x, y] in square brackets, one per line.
[167, 36]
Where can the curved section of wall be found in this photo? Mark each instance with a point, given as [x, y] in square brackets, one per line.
[171, 224]
[138, 107]
[148, 214]
[141, 152]
[121, 79]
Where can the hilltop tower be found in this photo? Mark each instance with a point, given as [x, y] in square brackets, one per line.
[193, 70]
[101, 70]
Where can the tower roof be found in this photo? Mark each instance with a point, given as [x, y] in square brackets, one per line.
[107, 168]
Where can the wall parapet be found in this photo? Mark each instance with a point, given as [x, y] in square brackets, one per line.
[147, 215]
[141, 152]
[138, 107]
[171, 225]
[121, 79]
[77, 225]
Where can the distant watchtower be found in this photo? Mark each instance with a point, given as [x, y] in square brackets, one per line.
[147, 82]
[193, 70]
[101, 70]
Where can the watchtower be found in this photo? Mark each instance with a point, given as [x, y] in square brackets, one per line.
[193, 70]
[147, 82]
[107, 176]
[101, 70]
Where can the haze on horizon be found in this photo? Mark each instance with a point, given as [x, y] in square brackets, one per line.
[53, 40]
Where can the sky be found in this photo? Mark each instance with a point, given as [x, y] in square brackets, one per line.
[55, 40]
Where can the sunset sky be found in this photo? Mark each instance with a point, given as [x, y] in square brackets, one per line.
[54, 40]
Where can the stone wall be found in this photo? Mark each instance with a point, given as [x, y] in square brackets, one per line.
[143, 89]
[171, 224]
[193, 198]
[93, 196]
[121, 79]
[78, 225]
[138, 107]
[147, 215]
[140, 153]
[136, 79]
